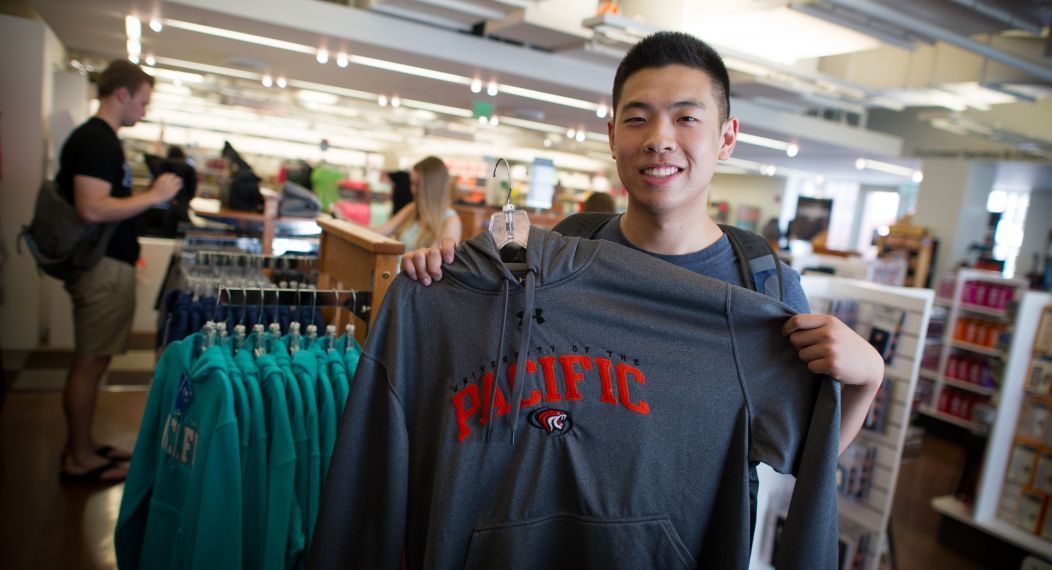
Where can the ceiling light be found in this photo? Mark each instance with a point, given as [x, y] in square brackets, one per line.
[491, 89]
[764, 142]
[476, 85]
[156, 25]
[792, 150]
[580, 136]
[174, 75]
[494, 121]
[206, 68]
[820, 179]
[860, 163]
[436, 108]
[409, 69]
[134, 47]
[267, 81]
[322, 56]
[888, 167]
[570, 133]
[483, 120]
[133, 58]
[549, 97]
[382, 100]
[601, 110]
[132, 27]
[151, 61]
[396, 101]
[547, 143]
[282, 82]
[341, 60]
[310, 96]
[239, 36]
[917, 177]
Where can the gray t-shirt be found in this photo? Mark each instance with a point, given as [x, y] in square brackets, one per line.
[717, 261]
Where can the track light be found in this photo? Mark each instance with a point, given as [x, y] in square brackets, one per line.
[322, 56]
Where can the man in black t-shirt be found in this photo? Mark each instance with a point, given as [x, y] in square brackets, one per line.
[95, 177]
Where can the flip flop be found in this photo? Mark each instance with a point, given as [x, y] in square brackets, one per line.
[93, 476]
[112, 453]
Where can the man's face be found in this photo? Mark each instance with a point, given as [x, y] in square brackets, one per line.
[134, 104]
[666, 136]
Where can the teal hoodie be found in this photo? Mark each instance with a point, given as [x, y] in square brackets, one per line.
[283, 527]
[192, 507]
[305, 370]
[255, 478]
[296, 547]
[327, 413]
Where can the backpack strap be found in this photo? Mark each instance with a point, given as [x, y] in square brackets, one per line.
[585, 224]
[758, 264]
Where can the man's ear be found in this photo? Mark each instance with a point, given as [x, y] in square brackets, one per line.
[121, 94]
[610, 137]
[728, 138]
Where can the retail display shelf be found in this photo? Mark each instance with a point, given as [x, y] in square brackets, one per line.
[928, 374]
[943, 302]
[977, 348]
[985, 391]
[957, 510]
[985, 311]
[975, 427]
[1032, 442]
[1043, 396]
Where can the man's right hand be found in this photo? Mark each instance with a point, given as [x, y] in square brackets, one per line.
[166, 186]
[425, 264]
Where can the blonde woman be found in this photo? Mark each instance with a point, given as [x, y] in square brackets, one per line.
[429, 218]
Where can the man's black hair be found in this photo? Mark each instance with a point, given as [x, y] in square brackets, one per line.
[672, 48]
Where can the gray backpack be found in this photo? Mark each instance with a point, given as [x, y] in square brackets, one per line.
[63, 246]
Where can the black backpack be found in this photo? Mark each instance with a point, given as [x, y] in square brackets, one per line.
[764, 273]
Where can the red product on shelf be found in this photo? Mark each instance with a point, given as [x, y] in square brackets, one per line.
[981, 290]
[951, 366]
[968, 292]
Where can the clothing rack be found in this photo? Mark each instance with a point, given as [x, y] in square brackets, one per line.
[355, 258]
[356, 302]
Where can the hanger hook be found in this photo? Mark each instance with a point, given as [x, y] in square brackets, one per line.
[508, 172]
[244, 305]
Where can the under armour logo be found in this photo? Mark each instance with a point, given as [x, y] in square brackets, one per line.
[536, 316]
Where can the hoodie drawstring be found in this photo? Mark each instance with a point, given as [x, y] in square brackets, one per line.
[524, 346]
[515, 388]
[496, 372]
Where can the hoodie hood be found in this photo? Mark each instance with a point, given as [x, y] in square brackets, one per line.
[550, 256]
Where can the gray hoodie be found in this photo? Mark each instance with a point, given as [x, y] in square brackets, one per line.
[643, 393]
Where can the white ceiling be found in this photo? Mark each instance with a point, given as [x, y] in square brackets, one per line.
[95, 28]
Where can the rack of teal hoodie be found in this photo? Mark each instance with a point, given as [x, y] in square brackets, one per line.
[234, 448]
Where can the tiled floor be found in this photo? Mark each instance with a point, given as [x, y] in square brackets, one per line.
[45, 370]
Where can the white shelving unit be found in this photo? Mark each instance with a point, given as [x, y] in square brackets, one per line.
[1001, 436]
[994, 355]
[869, 515]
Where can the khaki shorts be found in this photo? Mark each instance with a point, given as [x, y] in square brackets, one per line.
[103, 308]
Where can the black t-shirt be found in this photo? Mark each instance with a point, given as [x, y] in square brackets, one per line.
[93, 149]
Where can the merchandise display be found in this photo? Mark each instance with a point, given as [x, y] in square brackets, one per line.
[868, 470]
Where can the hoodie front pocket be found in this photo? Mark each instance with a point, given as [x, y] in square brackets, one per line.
[576, 541]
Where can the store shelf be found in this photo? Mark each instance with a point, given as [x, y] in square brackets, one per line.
[975, 427]
[943, 302]
[985, 311]
[929, 374]
[1043, 396]
[957, 510]
[977, 348]
[961, 385]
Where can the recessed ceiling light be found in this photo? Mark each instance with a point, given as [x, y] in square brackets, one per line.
[282, 82]
[132, 27]
[476, 85]
[151, 61]
[396, 101]
[792, 150]
[491, 89]
[381, 100]
[322, 56]
[341, 60]
[156, 25]
[267, 81]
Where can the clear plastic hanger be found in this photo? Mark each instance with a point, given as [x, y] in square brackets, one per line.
[350, 324]
[510, 228]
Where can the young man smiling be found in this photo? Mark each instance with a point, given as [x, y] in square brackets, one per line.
[671, 125]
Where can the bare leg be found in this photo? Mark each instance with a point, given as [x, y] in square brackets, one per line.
[78, 403]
